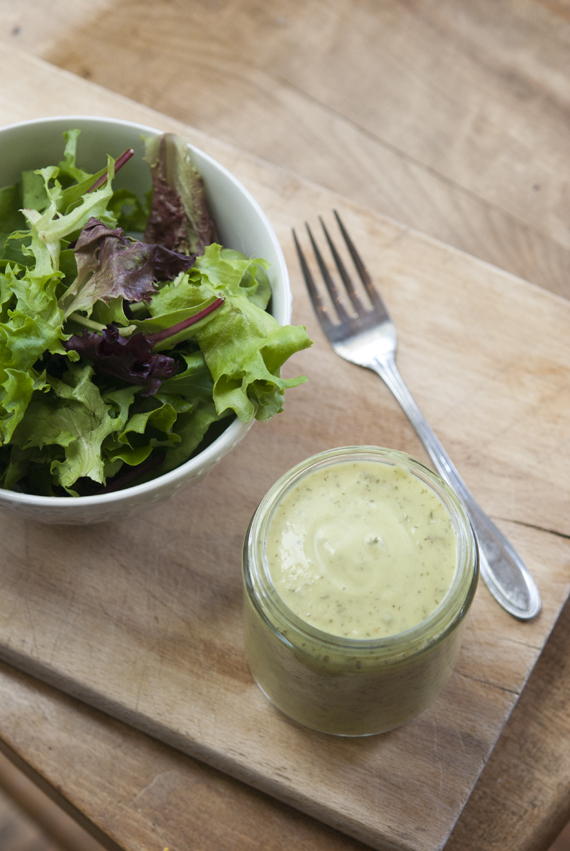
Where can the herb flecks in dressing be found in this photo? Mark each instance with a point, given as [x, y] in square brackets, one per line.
[361, 550]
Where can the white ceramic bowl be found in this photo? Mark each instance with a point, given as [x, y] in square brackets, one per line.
[242, 225]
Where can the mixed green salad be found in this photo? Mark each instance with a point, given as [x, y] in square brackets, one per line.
[128, 334]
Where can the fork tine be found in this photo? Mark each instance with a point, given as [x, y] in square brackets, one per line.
[330, 284]
[347, 280]
[373, 294]
[318, 303]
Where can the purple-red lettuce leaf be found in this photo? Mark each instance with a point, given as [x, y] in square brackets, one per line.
[109, 264]
[179, 217]
[127, 358]
[132, 358]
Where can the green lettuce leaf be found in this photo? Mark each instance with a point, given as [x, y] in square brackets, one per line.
[11, 218]
[73, 417]
[31, 326]
[78, 412]
[49, 227]
[243, 346]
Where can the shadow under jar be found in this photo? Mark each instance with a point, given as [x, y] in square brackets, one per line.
[359, 567]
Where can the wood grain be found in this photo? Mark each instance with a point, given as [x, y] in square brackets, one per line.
[522, 800]
[166, 800]
[133, 633]
[138, 793]
[529, 38]
[29, 821]
[18, 832]
[451, 117]
[562, 841]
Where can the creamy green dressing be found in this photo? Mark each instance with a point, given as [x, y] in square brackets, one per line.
[361, 549]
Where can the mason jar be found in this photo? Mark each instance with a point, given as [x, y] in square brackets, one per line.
[360, 636]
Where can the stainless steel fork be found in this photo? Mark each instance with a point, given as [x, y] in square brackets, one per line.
[367, 336]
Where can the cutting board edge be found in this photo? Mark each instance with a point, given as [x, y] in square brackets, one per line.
[225, 763]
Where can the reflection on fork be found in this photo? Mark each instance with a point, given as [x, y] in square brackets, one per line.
[360, 329]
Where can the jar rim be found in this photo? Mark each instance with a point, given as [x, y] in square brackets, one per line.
[437, 624]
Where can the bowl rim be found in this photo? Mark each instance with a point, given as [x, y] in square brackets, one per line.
[234, 431]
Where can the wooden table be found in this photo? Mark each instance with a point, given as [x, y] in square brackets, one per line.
[448, 117]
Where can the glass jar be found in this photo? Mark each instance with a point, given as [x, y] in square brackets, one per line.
[342, 685]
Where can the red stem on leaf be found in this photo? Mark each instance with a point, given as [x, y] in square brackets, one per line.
[186, 323]
[119, 162]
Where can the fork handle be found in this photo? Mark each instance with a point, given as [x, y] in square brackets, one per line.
[504, 572]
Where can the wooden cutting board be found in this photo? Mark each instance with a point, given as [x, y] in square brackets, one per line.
[143, 618]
